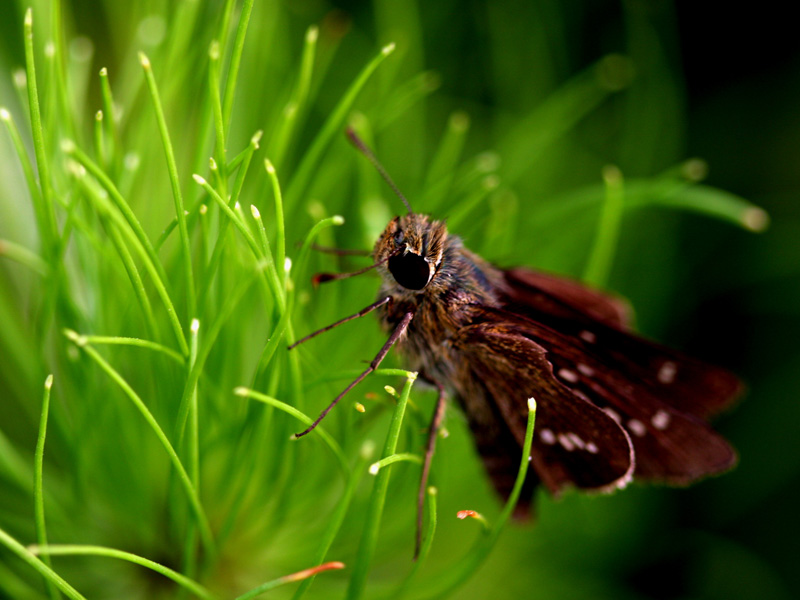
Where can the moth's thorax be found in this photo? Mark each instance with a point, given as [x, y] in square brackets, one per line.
[419, 260]
[446, 280]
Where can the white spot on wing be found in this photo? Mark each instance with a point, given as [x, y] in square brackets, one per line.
[637, 428]
[567, 375]
[586, 370]
[577, 441]
[547, 437]
[565, 442]
[591, 448]
[661, 420]
[667, 372]
[588, 336]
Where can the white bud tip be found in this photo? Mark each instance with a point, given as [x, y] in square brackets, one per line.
[144, 60]
[212, 164]
[254, 211]
[67, 145]
[360, 407]
[237, 206]
[241, 391]
[432, 491]
[203, 209]
[48, 383]
[338, 220]
[195, 326]
[199, 179]
[312, 34]
[287, 264]
[388, 49]
[4, 114]
[390, 390]
[213, 50]
[269, 166]
[459, 121]
[532, 404]
[755, 219]
[256, 138]
[612, 175]
[374, 468]
[103, 72]
[98, 115]
[29, 17]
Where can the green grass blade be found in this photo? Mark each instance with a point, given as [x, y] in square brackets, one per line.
[172, 168]
[601, 257]
[183, 476]
[36, 563]
[369, 539]
[81, 550]
[49, 230]
[333, 125]
[38, 492]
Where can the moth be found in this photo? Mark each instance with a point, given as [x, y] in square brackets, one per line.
[611, 406]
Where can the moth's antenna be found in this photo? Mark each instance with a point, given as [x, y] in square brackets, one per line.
[358, 143]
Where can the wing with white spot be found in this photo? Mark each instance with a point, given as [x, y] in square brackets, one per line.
[575, 310]
[575, 443]
[672, 446]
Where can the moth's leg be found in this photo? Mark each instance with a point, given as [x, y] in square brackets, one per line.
[430, 446]
[361, 313]
[398, 331]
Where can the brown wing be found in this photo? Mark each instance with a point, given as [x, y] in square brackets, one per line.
[575, 442]
[577, 311]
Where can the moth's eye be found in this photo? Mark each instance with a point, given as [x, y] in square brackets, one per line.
[399, 236]
[410, 270]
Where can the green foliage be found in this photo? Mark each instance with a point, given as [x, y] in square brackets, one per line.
[167, 168]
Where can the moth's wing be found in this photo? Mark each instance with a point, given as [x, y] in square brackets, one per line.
[577, 311]
[671, 446]
[560, 296]
[575, 442]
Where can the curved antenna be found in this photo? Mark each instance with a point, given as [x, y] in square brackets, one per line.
[358, 143]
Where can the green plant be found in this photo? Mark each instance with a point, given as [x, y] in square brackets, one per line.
[142, 291]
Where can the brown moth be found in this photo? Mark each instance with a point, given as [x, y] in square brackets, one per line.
[611, 406]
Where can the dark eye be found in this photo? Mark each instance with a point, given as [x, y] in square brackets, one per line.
[410, 270]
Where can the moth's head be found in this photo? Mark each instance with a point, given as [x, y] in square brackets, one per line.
[410, 249]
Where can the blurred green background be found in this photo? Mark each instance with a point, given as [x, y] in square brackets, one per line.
[543, 95]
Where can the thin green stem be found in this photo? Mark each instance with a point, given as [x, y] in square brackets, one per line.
[38, 488]
[49, 231]
[119, 201]
[337, 518]
[236, 59]
[110, 121]
[283, 324]
[80, 550]
[172, 168]
[24, 256]
[219, 123]
[32, 560]
[27, 168]
[280, 226]
[375, 467]
[97, 340]
[299, 576]
[296, 105]
[191, 492]
[331, 127]
[469, 565]
[303, 418]
[369, 539]
[601, 257]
